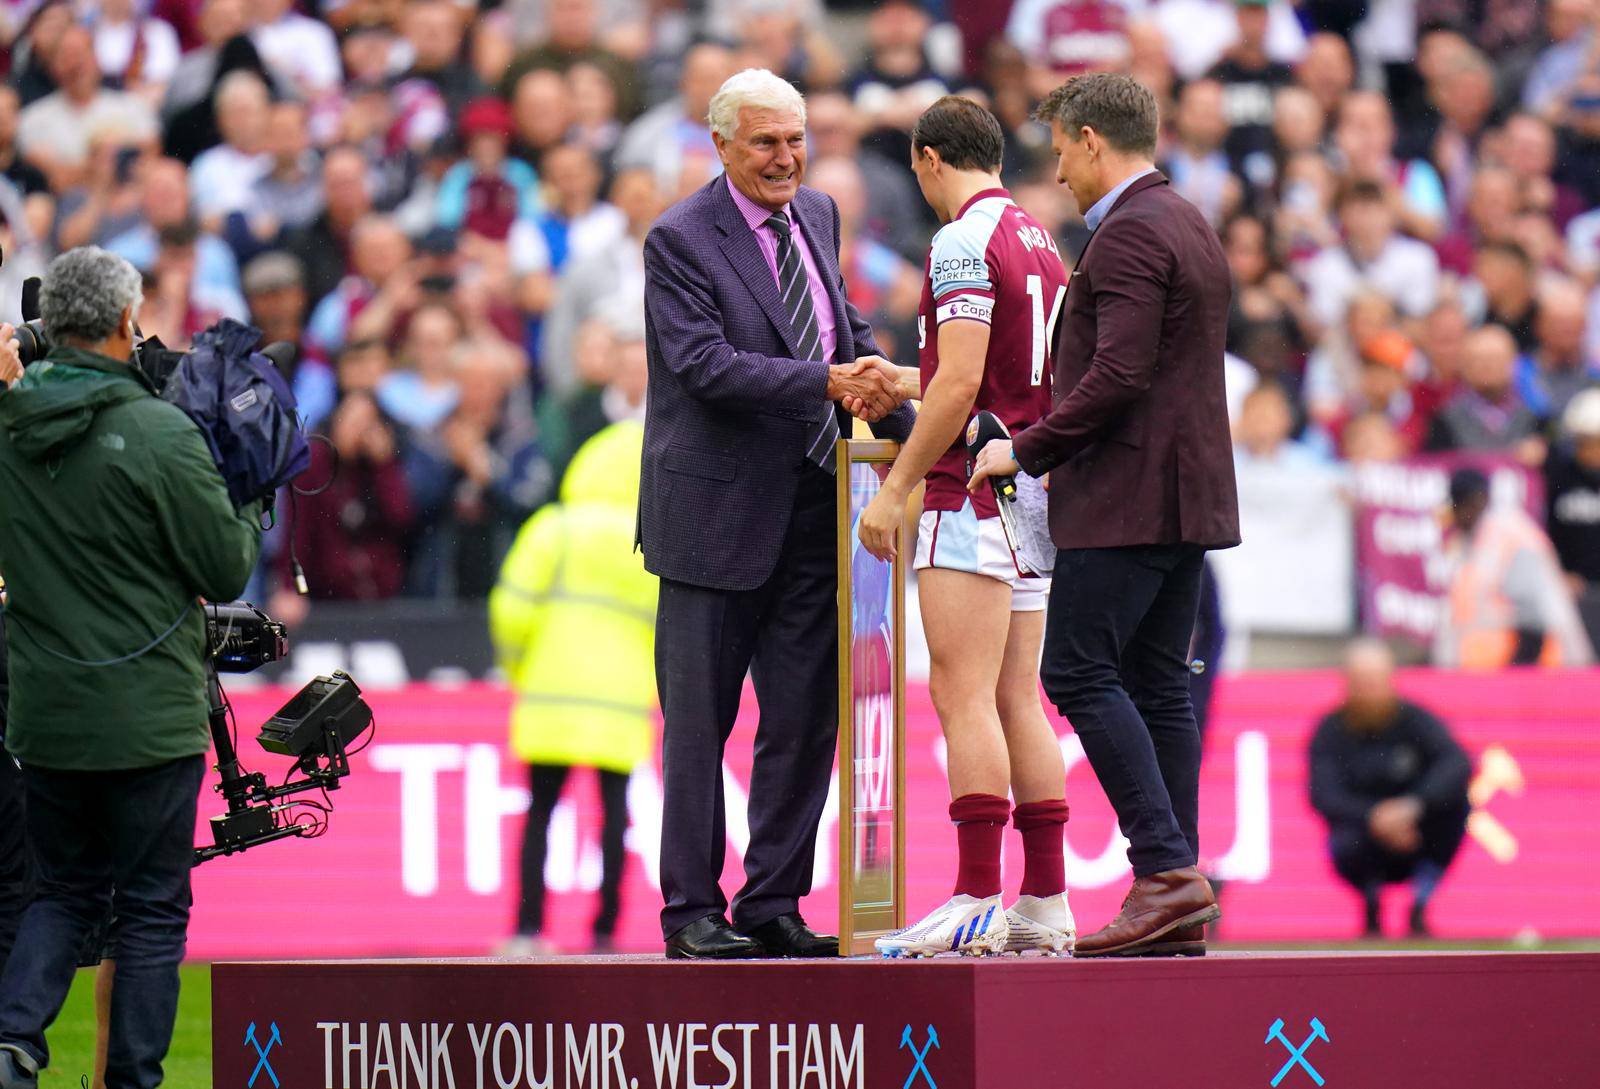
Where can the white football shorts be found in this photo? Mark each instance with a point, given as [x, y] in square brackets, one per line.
[958, 540]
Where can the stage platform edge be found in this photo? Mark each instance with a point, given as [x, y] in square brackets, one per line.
[1232, 1021]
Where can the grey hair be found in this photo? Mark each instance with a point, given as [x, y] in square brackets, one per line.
[754, 88]
[84, 293]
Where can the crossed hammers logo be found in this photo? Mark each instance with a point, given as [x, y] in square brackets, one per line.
[921, 1056]
[261, 1054]
[1297, 1054]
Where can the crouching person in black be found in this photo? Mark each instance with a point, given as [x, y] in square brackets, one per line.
[1392, 785]
[115, 522]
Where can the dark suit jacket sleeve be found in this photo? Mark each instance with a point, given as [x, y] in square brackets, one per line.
[1130, 279]
[684, 315]
[896, 425]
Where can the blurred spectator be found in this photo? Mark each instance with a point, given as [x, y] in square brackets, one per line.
[1062, 38]
[576, 222]
[1261, 437]
[540, 113]
[474, 479]
[35, 47]
[1509, 603]
[53, 133]
[1490, 216]
[1298, 122]
[163, 205]
[324, 246]
[1365, 138]
[1463, 92]
[106, 203]
[1199, 32]
[897, 81]
[894, 212]
[1334, 369]
[672, 139]
[275, 290]
[573, 581]
[29, 180]
[1556, 369]
[1326, 70]
[434, 32]
[1487, 414]
[1392, 784]
[177, 302]
[187, 114]
[614, 271]
[573, 35]
[287, 197]
[1572, 495]
[136, 52]
[1250, 78]
[1374, 255]
[1570, 30]
[424, 391]
[1269, 323]
[223, 177]
[1303, 223]
[1497, 26]
[1528, 148]
[1504, 274]
[595, 123]
[1386, 388]
[377, 250]
[487, 192]
[786, 37]
[1371, 439]
[1196, 163]
[881, 284]
[301, 52]
[351, 536]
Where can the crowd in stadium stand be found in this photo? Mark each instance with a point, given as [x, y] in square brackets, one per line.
[444, 205]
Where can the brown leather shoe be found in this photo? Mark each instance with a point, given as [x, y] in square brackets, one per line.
[1187, 941]
[1163, 910]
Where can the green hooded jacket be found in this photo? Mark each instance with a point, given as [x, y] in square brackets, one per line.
[113, 520]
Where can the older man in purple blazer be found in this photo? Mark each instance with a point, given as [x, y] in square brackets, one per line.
[1141, 485]
[752, 347]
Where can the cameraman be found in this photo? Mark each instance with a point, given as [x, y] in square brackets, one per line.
[115, 520]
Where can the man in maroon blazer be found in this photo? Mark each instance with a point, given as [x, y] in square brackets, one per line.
[1141, 485]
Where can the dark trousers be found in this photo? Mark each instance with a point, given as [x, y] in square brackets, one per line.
[1367, 865]
[785, 634]
[545, 782]
[16, 871]
[92, 833]
[1116, 664]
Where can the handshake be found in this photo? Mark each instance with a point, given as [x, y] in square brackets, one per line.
[872, 387]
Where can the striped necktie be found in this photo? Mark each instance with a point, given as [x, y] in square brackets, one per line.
[796, 290]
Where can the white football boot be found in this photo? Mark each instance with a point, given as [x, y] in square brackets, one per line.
[966, 924]
[1041, 922]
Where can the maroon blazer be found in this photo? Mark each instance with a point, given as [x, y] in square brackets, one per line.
[1137, 444]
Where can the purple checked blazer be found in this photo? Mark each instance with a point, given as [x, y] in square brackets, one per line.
[730, 409]
[1137, 444]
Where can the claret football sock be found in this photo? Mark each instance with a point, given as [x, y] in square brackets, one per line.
[980, 821]
[1044, 870]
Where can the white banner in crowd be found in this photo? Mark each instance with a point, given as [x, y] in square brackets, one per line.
[1294, 573]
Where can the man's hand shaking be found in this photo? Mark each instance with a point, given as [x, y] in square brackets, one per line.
[869, 388]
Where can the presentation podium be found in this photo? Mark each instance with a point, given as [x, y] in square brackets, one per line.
[872, 750]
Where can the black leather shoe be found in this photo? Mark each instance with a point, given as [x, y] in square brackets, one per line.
[711, 938]
[789, 936]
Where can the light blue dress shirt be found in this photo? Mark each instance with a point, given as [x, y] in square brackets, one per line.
[1097, 211]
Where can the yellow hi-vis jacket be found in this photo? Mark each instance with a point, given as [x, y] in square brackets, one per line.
[573, 617]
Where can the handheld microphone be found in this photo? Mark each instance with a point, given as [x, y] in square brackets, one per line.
[983, 429]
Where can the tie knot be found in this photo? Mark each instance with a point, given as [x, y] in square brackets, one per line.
[779, 224]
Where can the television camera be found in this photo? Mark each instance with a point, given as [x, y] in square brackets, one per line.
[315, 727]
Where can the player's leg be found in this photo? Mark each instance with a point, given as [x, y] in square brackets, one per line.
[1040, 918]
[965, 617]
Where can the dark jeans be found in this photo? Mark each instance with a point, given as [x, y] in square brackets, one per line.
[545, 782]
[1116, 664]
[16, 872]
[1367, 865]
[121, 840]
